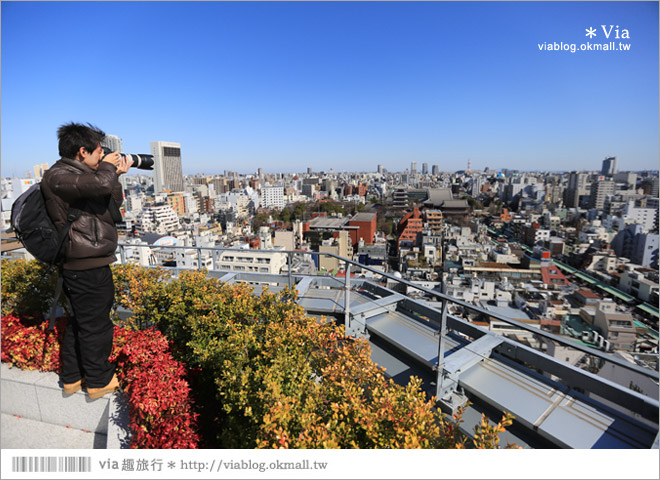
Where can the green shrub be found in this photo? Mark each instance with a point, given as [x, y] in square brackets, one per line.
[28, 288]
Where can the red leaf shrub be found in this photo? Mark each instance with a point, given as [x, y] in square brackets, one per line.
[31, 347]
[160, 407]
[161, 415]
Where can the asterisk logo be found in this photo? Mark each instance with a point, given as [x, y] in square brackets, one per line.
[591, 32]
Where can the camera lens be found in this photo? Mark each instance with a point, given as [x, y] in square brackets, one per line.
[142, 161]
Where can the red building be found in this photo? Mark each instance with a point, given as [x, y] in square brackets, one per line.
[358, 189]
[410, 227]
[552, 276]
[366, 223]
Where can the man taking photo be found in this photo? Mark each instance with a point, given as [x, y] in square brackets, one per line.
[87, 180]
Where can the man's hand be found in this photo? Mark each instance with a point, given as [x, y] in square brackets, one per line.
[123, 166]
[113, 158]
[121, 162]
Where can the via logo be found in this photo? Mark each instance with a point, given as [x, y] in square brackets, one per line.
[608, 31]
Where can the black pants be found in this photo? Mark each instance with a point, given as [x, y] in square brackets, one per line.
[87, 342]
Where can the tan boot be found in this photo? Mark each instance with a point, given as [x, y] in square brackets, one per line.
[71, 388]
[95, 393]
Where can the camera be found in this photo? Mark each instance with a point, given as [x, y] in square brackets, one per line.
[142, 161]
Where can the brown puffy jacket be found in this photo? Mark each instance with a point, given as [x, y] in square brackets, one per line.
[93, 236]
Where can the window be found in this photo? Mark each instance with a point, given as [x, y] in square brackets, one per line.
[171, 152]
[621, 323]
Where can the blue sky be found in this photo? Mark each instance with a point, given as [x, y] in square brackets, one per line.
[346, 85]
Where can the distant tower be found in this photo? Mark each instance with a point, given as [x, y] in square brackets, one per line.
[380, 169]
[168, 173]
[469, 165]
[113, 142]
[609, 166]
[425, 168]
[413, 168]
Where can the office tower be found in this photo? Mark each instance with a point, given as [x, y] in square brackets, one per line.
[113, 142]
[600, 190]
[413, 168]
[168, 174]
[380, 169]
[309, 170]
[577, 185]
[260, 172]
[434, 170]
[609, 166]
[425, 168]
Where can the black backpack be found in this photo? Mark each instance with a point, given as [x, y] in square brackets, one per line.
[35, 229]
[38, 234]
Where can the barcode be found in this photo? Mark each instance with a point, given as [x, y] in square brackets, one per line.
[51, 464]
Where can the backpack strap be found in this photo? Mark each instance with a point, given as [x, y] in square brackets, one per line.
[71, 217]
[53, 307]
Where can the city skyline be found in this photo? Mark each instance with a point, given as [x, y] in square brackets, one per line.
[342, 86]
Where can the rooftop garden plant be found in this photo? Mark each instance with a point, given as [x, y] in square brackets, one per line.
[212, 365]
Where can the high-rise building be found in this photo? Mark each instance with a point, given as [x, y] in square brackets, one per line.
[600, 190]
[413, 168]
[113, 142]
[272, 196]
[380, 169]
[425, 168]
[577, 185]
[609, 166]
[168, 174]
[434, 170]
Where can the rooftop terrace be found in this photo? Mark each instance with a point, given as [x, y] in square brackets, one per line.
[555, 403]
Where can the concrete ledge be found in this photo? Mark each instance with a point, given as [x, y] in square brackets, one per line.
[38, 396]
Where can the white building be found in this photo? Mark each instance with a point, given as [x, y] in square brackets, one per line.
[646, 217]
[133, 203]
[168, 174]
[158, 218]
[272, 197]
[250, 261]
[191, 204]
[636, 284]
[194, 259]
[19, 186]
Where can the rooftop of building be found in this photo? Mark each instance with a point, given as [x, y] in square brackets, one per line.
[328, 222]
[363, 217]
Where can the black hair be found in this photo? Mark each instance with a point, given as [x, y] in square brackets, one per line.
[72, 136]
